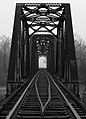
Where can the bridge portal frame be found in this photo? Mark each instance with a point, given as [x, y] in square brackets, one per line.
[19, 64]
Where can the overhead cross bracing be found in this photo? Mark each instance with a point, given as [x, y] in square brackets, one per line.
[43, 16]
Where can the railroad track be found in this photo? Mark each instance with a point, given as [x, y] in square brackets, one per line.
[43, 97]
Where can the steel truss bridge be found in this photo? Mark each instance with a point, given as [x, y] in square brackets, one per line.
[42, 30]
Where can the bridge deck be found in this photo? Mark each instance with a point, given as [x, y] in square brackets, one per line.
[43, 97]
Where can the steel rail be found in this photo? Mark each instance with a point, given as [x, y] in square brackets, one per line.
[11, 113]
[39, 98]
[66, 100]
[49, 92]
[37, 92]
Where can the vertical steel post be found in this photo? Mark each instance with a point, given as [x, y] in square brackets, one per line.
[70, 46]
[14, 45]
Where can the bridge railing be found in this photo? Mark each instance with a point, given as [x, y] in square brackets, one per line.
[11, 86]
[72, 86]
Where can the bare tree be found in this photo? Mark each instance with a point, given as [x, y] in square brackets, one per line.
[4, 52]
[80, 46]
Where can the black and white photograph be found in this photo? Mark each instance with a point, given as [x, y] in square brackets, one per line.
[43, 59]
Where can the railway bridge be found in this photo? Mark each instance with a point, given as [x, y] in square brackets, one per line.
[42, 77]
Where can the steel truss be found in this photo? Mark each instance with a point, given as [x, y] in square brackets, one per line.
[33, 18]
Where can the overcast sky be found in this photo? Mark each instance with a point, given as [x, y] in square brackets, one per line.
[78, 10]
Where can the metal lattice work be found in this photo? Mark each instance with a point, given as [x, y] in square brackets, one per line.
[42, 15]
[42, 29]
